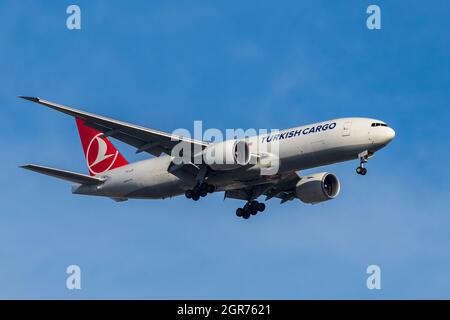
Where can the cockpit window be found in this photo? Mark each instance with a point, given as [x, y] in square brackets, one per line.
[378, 124]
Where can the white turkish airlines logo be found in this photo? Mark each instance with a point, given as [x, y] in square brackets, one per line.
[102, 161]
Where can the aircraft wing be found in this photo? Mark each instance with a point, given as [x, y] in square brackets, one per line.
[145, 140]
[63, 174]
[283, 188]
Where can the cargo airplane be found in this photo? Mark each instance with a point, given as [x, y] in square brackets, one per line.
[160, 177]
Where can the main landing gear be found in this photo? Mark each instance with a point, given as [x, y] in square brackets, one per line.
[200, 190]
[250, 209]
[363, 158]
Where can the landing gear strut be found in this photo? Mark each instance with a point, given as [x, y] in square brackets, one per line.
[251, 208]
[200, 190]
[363, 158]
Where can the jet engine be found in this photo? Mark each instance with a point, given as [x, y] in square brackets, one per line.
[227, 155]
[317, 188]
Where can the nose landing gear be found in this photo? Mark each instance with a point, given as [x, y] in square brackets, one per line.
[250, 209]
[200, 190]
[363, 158]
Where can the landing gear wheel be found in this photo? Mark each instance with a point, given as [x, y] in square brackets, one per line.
[254, 207]
[261, 207]
[210, 188]
[250, 209]
[200, 190]
[362, 171]
[189, 194]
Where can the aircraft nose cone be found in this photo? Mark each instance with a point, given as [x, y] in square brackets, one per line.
[389, 135]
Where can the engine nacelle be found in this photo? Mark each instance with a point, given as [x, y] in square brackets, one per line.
[227, 155]
[317, 188]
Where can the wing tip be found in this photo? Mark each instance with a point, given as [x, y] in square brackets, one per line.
[33, 99]
[27, 166]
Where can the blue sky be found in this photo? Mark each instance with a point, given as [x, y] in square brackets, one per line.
[252, 64]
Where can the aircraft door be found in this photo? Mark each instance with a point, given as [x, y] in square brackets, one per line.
[347, 128]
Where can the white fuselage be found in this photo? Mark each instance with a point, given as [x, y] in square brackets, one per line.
[300, 148]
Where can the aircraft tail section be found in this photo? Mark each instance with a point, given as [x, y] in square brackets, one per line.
[100, 153]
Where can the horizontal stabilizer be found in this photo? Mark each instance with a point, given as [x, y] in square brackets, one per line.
[65, 175]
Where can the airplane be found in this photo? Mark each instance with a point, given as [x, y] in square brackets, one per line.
[160, 177]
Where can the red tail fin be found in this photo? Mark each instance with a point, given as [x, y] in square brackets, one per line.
[100, 153]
